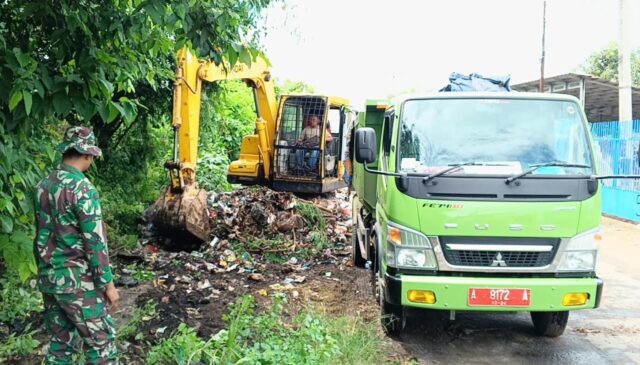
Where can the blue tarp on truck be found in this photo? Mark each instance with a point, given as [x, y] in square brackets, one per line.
[476, 82]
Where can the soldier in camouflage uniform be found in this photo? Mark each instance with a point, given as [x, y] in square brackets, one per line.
[73, 261]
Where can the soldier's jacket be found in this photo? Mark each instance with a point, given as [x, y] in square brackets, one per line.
[70, 245]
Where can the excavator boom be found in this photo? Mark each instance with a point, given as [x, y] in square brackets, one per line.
[182, 207]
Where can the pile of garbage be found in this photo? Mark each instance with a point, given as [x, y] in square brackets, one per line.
[262, 242]
[251, 213]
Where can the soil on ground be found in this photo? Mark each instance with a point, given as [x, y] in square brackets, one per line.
[261, 245]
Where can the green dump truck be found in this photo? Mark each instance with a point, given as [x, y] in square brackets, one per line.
[478, 202]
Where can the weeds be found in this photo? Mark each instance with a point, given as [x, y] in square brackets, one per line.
[257, 244]
[358, 340]
[123, 242]
[320, 241]
[130, 330]
[271, 338]
[313, 216]
[17, 346]
[184, 347]
[274, 258]
[139, 272]
[18, 300]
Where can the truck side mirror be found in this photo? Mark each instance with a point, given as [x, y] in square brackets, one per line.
[366, 146]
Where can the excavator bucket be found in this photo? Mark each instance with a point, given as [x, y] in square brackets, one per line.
[180, 212]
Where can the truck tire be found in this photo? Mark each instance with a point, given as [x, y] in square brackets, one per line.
[550, 324]
[392, 317]
[356, 254]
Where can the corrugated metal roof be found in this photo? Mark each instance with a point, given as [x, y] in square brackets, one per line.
[601, 96]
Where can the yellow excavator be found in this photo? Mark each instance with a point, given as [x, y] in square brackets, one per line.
[299, 145]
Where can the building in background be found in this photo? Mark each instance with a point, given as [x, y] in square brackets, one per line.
[599, 97]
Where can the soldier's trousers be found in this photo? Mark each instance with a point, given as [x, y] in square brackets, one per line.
[79, 319]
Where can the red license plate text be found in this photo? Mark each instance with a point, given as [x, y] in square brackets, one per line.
[499, 297]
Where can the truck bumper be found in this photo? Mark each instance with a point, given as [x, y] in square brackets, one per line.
[452, 292]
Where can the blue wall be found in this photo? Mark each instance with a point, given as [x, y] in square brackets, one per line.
[617, 144]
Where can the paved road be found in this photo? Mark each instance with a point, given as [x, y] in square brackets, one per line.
[608, 335]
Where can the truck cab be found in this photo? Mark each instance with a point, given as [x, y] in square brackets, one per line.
[478, 202]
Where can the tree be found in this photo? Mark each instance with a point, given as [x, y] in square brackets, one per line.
[293, 87]
[604, 64]
[87, 61]
[103, 63]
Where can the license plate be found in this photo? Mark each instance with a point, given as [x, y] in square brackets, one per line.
[499, 297]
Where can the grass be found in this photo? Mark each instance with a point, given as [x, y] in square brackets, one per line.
[273, 337]
[139, 272]
[313, 216]
[18, 299]
[16, 346]
[131, 329]
[359, 341]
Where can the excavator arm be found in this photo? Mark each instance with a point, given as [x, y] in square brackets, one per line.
[182, 206]
[190, 75]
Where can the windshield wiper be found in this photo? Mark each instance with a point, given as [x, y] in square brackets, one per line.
[456, 166]
[534, 167]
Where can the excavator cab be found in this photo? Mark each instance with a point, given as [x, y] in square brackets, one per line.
[311, 143]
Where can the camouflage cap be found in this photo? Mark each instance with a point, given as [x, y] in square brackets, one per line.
[81, 139]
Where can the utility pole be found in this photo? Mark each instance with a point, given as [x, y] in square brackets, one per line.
[544, 29]
[624, 63]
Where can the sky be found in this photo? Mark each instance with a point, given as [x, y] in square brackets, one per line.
[374, 49]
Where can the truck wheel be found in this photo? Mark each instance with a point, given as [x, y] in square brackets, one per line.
[392, 317]
[550, 324]
[358, 260]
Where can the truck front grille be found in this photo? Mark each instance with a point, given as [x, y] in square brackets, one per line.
[510, 258]
[500, 252]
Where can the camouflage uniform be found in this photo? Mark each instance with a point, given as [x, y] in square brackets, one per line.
[73, 260]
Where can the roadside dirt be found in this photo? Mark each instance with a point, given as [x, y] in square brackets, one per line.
[246, 257]
[332, 286]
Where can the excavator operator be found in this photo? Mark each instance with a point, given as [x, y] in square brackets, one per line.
[310, 138]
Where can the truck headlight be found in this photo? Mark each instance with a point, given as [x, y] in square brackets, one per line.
[409, 249]
[580, 252]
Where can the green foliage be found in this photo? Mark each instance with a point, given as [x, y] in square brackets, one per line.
[131, 329]
[293, 87]
[312, 215]
[18, 345]
[139, 273]
[87, 61]
[25, 155]
[17, 300]
[260, 244]
[183, 348]
[320, 241]
[227, 115]
[359, 341]
[604, 64]
[314, 218]
[275, 258]
[258, 338]
[131, 177]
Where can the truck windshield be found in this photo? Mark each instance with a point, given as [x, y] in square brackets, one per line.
[502, 136]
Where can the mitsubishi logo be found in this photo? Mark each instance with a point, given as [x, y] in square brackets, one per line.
[498, 261]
